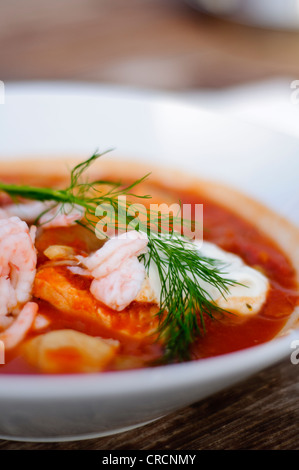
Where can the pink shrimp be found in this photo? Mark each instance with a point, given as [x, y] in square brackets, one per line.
[17, 272]
[15, 333]
[28, 211]
[17, 264]
[61, 216]
[118, 275]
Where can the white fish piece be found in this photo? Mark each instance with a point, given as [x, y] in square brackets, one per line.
[59, 252]
[92, 354]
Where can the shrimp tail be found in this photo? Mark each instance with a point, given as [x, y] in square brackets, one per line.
[15, 333]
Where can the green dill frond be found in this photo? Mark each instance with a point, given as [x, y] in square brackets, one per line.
[184, 302]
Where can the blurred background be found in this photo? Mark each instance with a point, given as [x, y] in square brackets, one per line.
[236, 55]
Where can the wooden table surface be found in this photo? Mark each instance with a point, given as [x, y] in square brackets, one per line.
[166, 45]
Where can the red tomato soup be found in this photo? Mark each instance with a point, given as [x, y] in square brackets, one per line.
[134, 328]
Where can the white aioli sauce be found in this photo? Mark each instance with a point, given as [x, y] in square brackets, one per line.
[245, 299]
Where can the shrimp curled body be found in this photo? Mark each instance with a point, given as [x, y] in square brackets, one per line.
[17, 264]
[118, 274]
[13, 335]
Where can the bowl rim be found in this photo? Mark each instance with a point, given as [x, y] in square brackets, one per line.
[161, 378]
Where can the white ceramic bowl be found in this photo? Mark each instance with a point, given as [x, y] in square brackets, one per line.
[69, 119]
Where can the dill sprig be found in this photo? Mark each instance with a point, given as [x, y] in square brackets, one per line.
[85, 194]
[184, 301]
